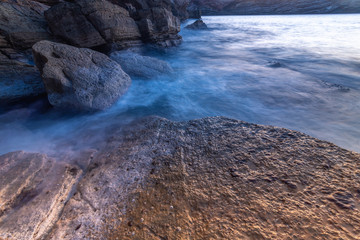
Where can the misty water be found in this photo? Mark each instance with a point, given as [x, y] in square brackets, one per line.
[297, 72]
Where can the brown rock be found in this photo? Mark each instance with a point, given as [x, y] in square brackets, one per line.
[79, 78]
[215, 178]
[33, 192]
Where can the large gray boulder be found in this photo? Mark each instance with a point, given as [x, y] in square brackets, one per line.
[137, 65]
[78, 78]
[92, 23]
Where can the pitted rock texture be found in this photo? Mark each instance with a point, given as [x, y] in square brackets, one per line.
[215, 178]
[79, 78]
[33, 192]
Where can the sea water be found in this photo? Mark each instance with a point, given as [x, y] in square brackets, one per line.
[300, 72]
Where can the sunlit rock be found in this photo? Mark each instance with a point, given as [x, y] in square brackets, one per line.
[33, 192]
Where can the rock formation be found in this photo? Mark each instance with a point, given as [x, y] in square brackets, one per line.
[137, 65]
[197, 25]
[81, 23]
[79, 79]
[213, 178]
[92, 23]
[236, 7]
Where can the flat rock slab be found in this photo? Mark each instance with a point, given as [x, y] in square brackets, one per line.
[215, 178]
[33, 192]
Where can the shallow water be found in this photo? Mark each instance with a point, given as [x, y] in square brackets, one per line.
[298, 72]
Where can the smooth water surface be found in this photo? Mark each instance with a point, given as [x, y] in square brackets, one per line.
[298, 72]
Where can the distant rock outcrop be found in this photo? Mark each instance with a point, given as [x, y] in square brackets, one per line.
[213, 178]
[243, 7]
[140, 66]
[197, 25]
[79, 78]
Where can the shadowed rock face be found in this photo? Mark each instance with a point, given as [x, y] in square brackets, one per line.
[213, 178]
[21, 25]
[275, 6]
[92, 23]
[79, 78]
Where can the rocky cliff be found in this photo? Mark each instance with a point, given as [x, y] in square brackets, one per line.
[213, 178]
[236, 7]
[99, 24]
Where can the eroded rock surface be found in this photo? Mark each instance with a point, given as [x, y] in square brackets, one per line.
[79, 78]
[137, 65]
[33, 192]
[215, 178]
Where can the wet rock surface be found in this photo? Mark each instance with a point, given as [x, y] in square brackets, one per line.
[137, 65]
[21, 25]
[79, 78]
[214, 178]
[19, 79]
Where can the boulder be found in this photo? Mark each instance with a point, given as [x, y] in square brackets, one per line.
[197, 25]
[93, 23]
[33, 192]
[78, 78]
[137, 65]
[214, 178]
